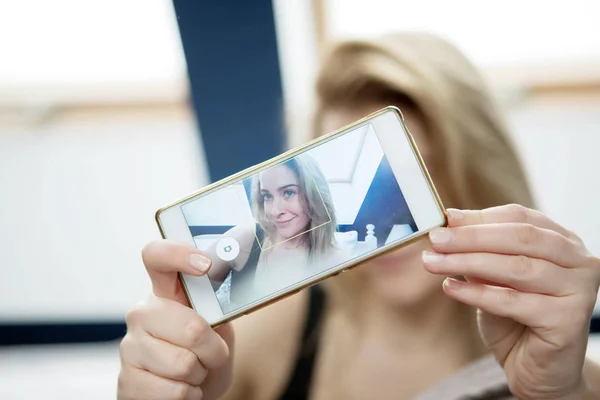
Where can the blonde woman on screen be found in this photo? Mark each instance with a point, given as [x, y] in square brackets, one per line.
[496, 306]
[290, 238]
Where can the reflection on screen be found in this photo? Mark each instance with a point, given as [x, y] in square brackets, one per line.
[298, 219]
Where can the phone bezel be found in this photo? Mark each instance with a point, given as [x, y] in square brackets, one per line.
[409, 169]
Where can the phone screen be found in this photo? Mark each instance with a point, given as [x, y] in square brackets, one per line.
[297, 219]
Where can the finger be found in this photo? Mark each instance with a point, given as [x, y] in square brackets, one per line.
[135, 383]
[530, 309]
[183, 327]
[218, 379]
[163, 359]
[227, 334]
[504, 214]
[518, 272]
[165, 259]
[509, 238]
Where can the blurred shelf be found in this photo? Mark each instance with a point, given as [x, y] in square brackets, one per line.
[93, 94]
[93, 332]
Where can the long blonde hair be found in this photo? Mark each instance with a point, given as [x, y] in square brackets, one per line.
[473, 161]
[316, 197]
[474, 158]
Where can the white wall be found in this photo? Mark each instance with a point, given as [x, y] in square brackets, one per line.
[349, 196]
[336, 158]
[298, 58]
[227, 206]
[560, 150]
[77, 203]
[491, 32]
[66, 42]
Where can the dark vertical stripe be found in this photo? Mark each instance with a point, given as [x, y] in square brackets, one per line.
[233, 65]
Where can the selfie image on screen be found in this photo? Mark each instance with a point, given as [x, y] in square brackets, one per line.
[299, 218]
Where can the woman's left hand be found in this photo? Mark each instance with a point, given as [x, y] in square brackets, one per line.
[534, 284]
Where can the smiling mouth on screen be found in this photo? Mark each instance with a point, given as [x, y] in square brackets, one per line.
[284, 224]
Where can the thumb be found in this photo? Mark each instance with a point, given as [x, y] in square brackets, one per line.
[164, 260]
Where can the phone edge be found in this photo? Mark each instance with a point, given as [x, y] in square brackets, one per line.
[289, 153]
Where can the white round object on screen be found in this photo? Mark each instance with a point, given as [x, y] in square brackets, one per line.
[228, 249]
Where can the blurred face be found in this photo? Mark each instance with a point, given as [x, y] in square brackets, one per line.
[397, 277]
[283, 202]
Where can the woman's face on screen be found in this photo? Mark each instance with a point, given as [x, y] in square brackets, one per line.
[399, 276]
[283, 201]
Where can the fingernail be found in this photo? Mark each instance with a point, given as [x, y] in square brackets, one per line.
[440, 236]
[199, 263]
[431, 257]
[452, 283]
[455, 214]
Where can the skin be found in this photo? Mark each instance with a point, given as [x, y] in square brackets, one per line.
[283, 203]
[284, 206]
[533, 282]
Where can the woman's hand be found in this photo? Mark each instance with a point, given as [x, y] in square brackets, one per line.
[534, 284]
[169, 351]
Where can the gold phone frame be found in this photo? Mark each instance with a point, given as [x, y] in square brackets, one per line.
[289, 154]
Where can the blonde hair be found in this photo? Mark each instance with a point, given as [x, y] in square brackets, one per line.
[474, 159]
[317, 199]
[473, 162]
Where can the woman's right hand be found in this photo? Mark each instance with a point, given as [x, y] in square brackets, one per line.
[169, 351]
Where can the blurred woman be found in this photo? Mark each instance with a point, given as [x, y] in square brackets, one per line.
[495, 306]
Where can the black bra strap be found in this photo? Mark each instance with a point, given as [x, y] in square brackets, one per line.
[300, 381]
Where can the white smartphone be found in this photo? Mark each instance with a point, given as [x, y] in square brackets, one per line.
[306, 215]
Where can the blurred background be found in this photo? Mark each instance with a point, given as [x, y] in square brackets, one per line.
[109, 110]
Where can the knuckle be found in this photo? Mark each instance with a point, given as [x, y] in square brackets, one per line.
[149, 250]
[511, 297]
[589, 299]
[563, 245]
[185, 362]
[521, 268]
[574, 237]
[225, 355]
[135, 315]
[124, 347]
[180, 391]
[593, 262]
[519, 212]
[596, 273]
[196, 330]
[153, 250]
[221, 355]
[527, 234]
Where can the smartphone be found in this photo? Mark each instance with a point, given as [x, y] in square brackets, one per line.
[304, 216]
